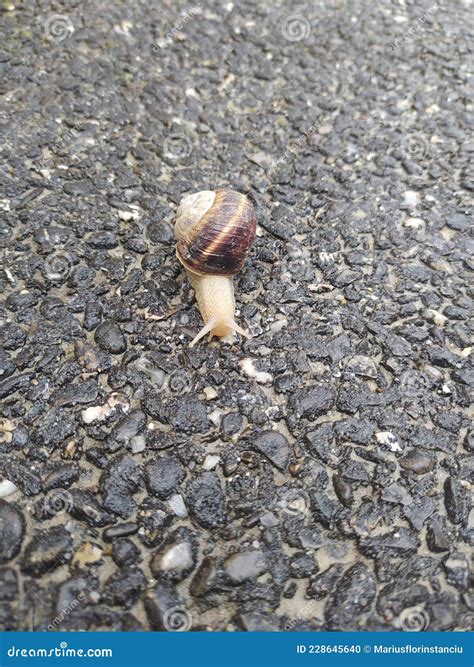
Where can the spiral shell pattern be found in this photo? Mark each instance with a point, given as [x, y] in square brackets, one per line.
[218, 241]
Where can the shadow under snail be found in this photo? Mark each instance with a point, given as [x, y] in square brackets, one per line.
[214, 231]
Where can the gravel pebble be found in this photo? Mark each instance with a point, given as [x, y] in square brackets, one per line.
[204, 499]
[244, 566]
[353, 596]
[110, 338]
[177, 557]
[46, 550]
[124, 587]
[275, 447]
[312, 402]
[119, 481]
[12, 530]
[164, 475]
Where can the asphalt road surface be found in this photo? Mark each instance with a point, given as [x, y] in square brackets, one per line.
[314, 477]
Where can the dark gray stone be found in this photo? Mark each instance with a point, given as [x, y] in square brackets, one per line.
[164, 475]
[275, 447]
[314, 401]
[12, 530]
[47, 550]
[205, 500]
[353, 596]
[110, 337]
[119, 481]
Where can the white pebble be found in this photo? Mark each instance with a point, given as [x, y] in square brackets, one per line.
[100, 412]
[211, 461]
[411, 198]
[278, 325]
[138, 444]
[438, 318]
[176, 505]
[7, 488]
[177, 556]
[210, 393]
[126, 216]
[215, 416]
[250, 370]
[94, 413]
[389, 439]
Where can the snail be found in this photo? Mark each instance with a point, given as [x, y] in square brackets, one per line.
[214, 231]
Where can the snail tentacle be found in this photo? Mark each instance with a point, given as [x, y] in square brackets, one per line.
[235, 327]
[215, 323]
[206, 329]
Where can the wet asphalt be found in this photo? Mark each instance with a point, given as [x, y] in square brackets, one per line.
[315, 477]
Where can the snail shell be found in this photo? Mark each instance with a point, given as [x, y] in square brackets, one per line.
[214, 231]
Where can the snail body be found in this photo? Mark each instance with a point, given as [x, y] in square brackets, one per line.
[214, 231]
